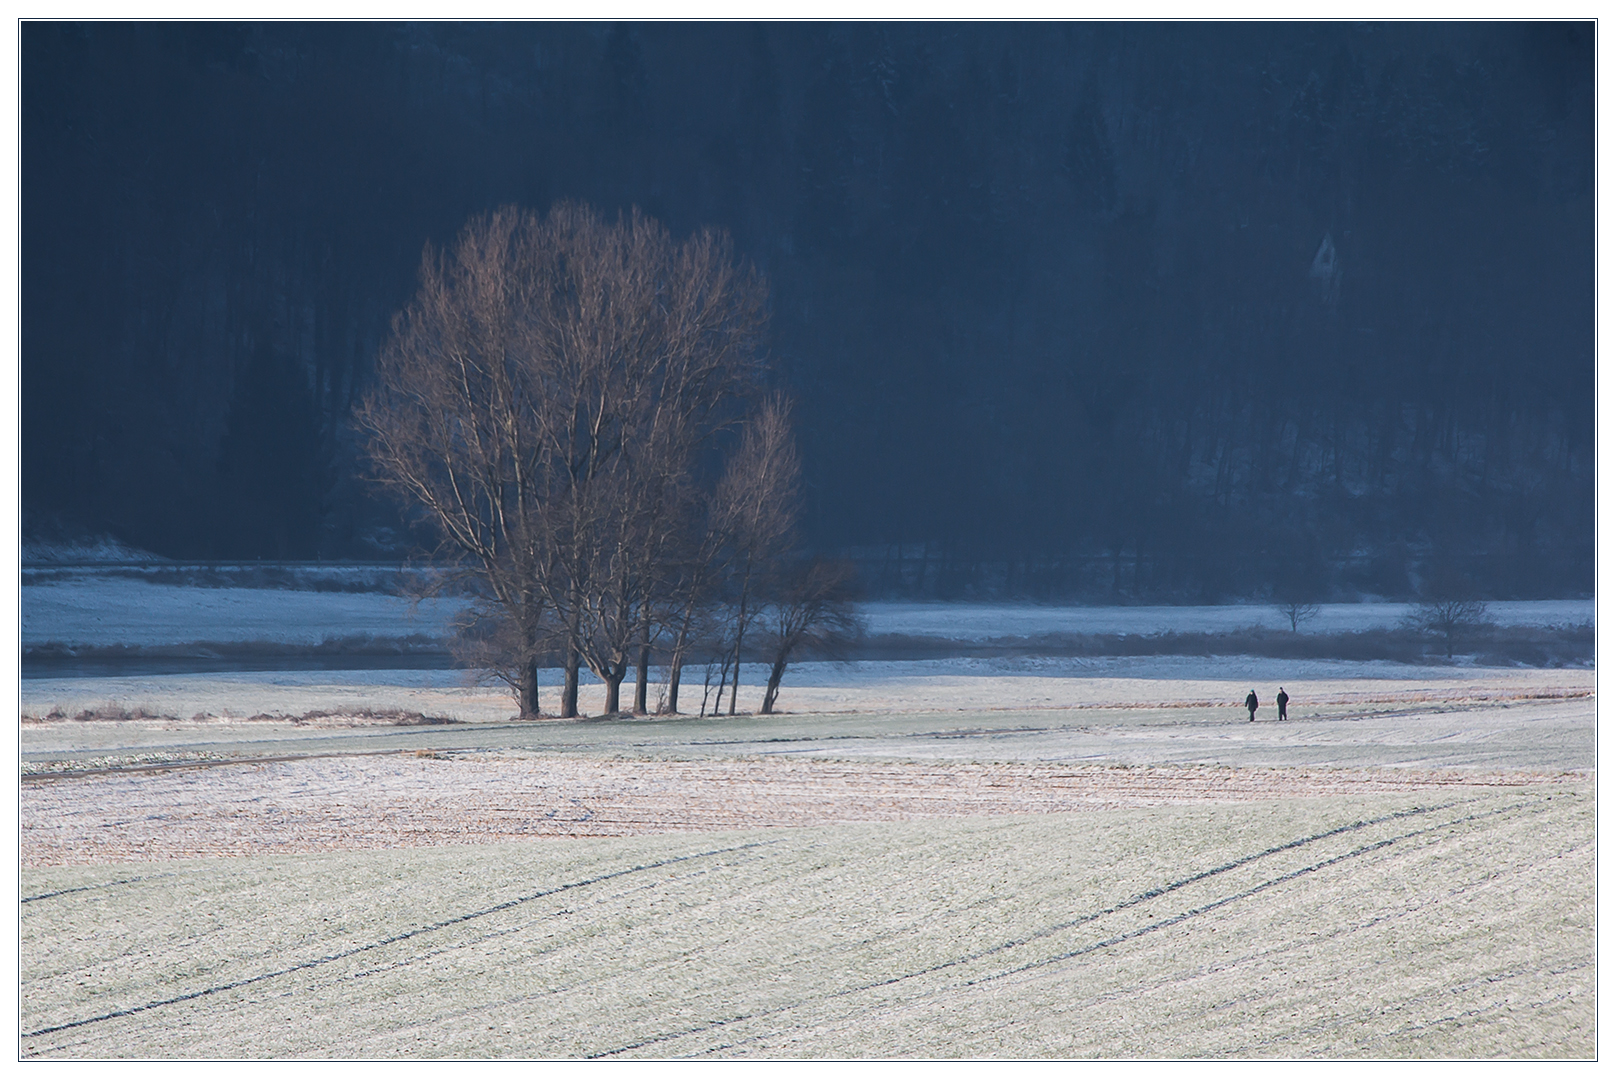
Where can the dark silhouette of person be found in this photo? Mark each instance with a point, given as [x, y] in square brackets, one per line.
[1251, 705]
[1282, 699]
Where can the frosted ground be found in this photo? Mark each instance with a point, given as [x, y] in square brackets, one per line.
[1451, 924]
[1155, 710]
[984, 857]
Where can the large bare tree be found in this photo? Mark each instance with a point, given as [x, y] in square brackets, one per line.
[543, 399]
[450, 423]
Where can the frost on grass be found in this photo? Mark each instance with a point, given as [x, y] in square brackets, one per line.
[1188, 909]
[1451, 923]
[153, 809]
[957, 684]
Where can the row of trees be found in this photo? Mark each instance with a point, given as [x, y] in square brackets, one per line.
[579, 408]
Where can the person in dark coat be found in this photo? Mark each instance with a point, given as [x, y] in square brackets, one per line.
[1281, 700]
[1251, 705]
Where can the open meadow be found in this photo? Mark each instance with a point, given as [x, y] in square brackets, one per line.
[978, 857]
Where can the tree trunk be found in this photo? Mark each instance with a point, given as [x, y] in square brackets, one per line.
[569, 688]
[613, 681]
[676, 662]
[527, 697]
[740, 632]
[735, 687]
[642, 676]
[723, 684]
[776, 673]
[676, 666]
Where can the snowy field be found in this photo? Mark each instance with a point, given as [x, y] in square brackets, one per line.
[1454, 923]
[1160, 710]
[1009, 857]
[1405, 868]
[102, 611]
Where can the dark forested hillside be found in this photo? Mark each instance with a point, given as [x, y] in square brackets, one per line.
[1122, 310]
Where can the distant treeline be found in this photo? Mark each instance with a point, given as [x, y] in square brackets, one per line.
[1139, 310]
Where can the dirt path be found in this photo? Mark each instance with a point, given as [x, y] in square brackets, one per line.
[321, 804]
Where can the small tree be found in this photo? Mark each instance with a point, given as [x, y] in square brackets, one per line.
[756, 508]
[1450, 619]
[1297, 612]
[812, 610]
[691, 612]
[1450, 610]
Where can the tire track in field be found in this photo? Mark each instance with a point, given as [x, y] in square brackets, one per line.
[1414, 1026]
[1116, 939]
[473, 942]
[442, 924]
[1549, 968]
[1345, 930]
[1541, 969]
[135, 769]
[1244, 894]
[87, 888]
[1162, 924]
[1132, 901]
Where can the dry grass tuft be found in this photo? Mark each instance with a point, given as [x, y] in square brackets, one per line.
[365, 717]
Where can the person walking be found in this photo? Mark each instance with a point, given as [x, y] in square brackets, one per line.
[1251, 705]
[1281, 700]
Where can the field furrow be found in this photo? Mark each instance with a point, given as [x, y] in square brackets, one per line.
[1449, 921]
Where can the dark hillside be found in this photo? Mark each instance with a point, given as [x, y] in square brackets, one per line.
[1180, 311]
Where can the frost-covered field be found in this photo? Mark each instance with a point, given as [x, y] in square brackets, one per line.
[1404, 869]
[965, 683]
[1012, 857]
[1514, 718]
[1448, 923]
[97, 610]
[204, 804]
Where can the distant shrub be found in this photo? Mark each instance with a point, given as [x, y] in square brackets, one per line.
[1451, 620]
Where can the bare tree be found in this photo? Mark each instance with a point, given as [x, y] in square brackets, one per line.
[1451, 610]
[1450, 619]
[1297, 612]
[666, 394]
[551, 384]
[757, 503]
[812, 609]
[690, 608]
[451, 425]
